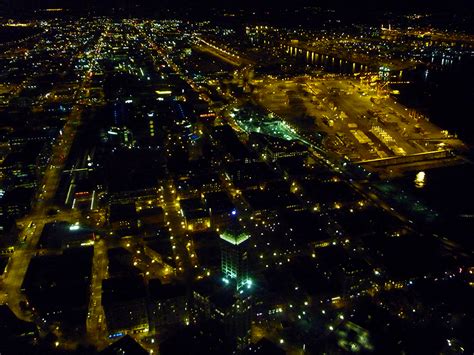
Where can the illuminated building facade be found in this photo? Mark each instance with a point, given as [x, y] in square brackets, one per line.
[234, 255]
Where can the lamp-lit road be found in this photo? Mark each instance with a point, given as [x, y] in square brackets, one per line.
[20, 259]
[96, 327]
[175, 222]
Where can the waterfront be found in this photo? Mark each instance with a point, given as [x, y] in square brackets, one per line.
[443, 92]
[445, 190]
[447, 91]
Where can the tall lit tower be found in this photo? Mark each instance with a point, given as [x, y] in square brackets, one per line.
[234, 255]
[236, 314]
[229, 301]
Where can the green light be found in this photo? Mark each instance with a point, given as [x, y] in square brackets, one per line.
[74, 227]
[235, 240]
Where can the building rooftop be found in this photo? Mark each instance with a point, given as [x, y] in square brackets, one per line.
[124, 346]
[234, 233]
[120, 212]
[159, 291]
[122, 289]
[63, 234]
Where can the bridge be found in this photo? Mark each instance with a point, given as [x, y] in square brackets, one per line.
[407, 159]
[228, 55]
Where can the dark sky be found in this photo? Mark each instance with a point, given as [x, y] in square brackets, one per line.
[461, 6]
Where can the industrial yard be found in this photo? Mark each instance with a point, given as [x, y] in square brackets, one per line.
[356, 119]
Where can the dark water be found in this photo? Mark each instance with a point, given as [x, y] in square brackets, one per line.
[448, 191]
[444, 91]
[326, 62]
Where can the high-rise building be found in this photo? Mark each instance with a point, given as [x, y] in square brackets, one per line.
[237, 319]
[220, 301]
[228, 300]
[234, 255]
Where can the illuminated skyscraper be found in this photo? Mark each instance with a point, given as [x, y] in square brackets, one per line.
[234, 255]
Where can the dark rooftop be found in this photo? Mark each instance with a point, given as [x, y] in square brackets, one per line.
[124, 346]
[122, 289]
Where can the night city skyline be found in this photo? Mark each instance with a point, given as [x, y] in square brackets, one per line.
[184, 177]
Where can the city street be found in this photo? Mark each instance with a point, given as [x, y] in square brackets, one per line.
[19, 261]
